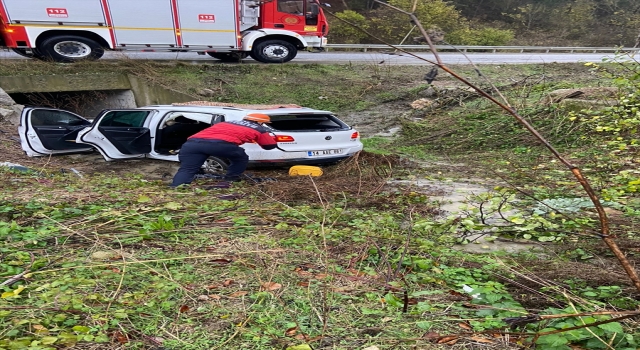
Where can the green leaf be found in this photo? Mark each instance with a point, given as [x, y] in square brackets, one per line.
[492, 298]
[392, 300]
[81, 329]
[518, 221]
[613, 327]
[48, 340]
[102, 338]
[300, 347]
[552, 340]
[172, 205]
[143, 199]
[423, 325]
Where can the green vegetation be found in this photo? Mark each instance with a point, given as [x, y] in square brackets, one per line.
[346, 260]
[495, 22]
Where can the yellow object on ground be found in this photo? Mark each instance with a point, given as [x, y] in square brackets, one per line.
[304, 170]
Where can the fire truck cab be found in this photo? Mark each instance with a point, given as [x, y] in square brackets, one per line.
[270, 31]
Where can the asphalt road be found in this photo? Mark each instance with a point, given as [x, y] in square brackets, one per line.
[372, 57]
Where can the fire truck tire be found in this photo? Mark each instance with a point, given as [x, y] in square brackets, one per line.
[274, 51]
[70, 48]
[228, 56]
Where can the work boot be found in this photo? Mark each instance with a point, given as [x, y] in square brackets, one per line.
[232, 178]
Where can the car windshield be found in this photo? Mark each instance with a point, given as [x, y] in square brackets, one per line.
[307, 122]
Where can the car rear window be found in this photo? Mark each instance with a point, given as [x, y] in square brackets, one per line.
[307, 122]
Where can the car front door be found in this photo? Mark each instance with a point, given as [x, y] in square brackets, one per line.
[120, 134]
[45, 131]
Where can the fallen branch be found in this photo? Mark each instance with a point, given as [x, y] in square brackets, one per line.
[533, 318]
[21, 275]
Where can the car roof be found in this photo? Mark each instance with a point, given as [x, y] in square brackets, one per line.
[223, 109]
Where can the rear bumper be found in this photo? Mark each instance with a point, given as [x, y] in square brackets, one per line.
[297, 161]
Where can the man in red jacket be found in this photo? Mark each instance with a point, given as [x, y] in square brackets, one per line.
[223, 140]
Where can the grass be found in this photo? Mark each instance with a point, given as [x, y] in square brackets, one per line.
[121, 260]
[344, 261]
[338, 88]
[149, 265]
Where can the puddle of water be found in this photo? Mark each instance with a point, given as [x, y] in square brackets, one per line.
[391, 132]
[482, 245]
[454, 197]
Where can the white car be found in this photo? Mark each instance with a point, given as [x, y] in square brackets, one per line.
[304, 135]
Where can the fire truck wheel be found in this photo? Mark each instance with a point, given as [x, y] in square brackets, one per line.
[70, 48]
[228, 56]
[273, 51]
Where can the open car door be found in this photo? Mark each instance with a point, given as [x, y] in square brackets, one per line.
[45, 131]
[120, 134]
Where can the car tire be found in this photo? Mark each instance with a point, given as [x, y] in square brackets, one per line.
[273, 51]
[215, 166]
[228, 56]
[70, 48]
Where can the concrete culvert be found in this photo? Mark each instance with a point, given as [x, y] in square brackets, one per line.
[85, 103]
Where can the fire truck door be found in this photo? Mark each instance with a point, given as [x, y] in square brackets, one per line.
[143, 22]
[86, 11]
[208, 23]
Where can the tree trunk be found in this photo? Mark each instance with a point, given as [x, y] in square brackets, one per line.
[637, 45]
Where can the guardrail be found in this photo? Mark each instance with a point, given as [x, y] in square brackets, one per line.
[467, 48]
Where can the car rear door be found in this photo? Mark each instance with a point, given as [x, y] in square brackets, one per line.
[45, 131]
[120, 134]
[317, 134]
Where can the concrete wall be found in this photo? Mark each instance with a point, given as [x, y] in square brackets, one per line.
[9, 109]
[114, 91]
[152, 94]
[64, 82]
[115, 99]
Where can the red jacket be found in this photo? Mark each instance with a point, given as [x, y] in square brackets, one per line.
[238, 132]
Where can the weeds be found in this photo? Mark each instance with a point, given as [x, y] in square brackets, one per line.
[149, 267]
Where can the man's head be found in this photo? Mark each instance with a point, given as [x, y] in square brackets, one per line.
[257, 117]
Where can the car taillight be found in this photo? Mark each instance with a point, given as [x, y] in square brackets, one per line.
[284, 138]
[355, 135]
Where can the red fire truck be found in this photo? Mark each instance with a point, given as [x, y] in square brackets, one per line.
[270, 31]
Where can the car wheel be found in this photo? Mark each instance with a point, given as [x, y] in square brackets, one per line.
[215, 166]
[228, 56]
[274, 51]
[70, 48]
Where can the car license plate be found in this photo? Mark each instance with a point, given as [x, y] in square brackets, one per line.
[325, 152]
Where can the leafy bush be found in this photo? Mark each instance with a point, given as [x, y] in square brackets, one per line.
[483, 36]
[393, 26]
[344, 33]
[619, 124]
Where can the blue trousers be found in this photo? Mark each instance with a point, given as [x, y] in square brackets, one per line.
[195, 152]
